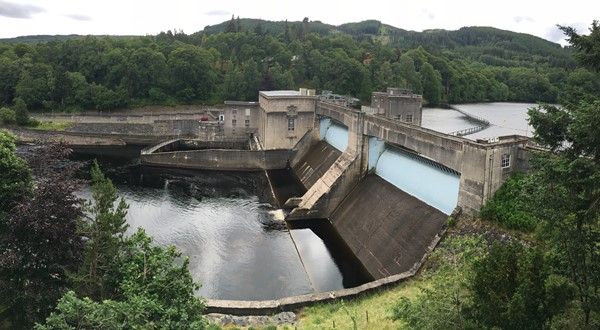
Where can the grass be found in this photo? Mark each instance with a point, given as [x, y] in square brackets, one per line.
[342, 315]
[52, 126]
[353, 314]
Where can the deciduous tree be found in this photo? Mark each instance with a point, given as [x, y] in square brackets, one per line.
[39, 244]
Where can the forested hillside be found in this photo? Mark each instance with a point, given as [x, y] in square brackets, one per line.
[236, 59]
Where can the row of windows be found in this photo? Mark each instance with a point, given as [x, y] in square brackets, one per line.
[246, 122]
[291, 123]
[407, 118]
[234, 112]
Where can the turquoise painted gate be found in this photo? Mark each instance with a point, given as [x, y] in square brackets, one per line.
[432, 183]
[333, 133]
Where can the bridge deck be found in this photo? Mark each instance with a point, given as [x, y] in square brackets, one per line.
[387, 229]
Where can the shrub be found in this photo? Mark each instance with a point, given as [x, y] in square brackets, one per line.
[7, 116]
[508, 206]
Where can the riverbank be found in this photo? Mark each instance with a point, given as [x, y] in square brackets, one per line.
[373, 311]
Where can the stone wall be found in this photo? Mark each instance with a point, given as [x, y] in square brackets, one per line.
[82, 138]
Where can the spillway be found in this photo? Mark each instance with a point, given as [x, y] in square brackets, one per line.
[387, 229]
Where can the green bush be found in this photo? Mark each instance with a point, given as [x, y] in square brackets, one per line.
[508, 205]
[33, 122]
[7, 116]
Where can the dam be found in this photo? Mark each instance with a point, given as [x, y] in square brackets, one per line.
[386, 185]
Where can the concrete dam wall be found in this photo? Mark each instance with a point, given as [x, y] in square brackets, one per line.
[315, 163]
[387, 229]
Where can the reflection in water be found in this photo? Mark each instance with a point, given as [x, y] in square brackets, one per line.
[238, 244]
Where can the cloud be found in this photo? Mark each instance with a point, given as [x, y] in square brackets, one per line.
[519, 19]
[427, 14]
[217, 13]
[15, 10]
[555, 35]
[78, 17]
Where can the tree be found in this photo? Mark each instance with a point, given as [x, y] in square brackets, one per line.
[21, 113]
[9, 71]
[512, 289]
[193, 73]
[15, 177]
[104, 230]
[432, 84]
[155, 291]
[36, 85]
[566, 189]
[586, 47]
[39, 243]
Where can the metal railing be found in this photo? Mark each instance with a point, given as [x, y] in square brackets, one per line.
[483, 123]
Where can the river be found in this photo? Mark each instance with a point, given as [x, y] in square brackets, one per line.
[239, 246]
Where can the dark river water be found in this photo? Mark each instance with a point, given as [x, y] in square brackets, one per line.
[238, 244]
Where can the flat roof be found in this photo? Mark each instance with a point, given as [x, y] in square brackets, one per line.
[281, 93]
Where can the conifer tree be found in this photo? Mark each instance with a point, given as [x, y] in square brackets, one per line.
[104, 229]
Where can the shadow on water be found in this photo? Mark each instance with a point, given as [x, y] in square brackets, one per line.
[285, 185]
[351, 269]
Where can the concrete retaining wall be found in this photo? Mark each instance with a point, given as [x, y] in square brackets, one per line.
[79, 138]
[220, 159]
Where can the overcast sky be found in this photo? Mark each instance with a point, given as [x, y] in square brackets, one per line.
[149, 17]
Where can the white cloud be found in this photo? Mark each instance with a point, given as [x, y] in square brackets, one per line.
[132, 17]
[15, 10]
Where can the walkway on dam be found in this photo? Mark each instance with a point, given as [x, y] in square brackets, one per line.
[387, 229]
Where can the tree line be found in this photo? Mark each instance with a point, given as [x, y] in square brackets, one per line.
[235, 60]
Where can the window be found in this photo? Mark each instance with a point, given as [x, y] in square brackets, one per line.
[505, 161]
[233, 122]
[247, 112]
[234, 112]
[397, 117]
[247, 122]
[291, 124]
[408, 118]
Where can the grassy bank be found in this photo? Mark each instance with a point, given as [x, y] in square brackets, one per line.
[374, 311]
[370, 312]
